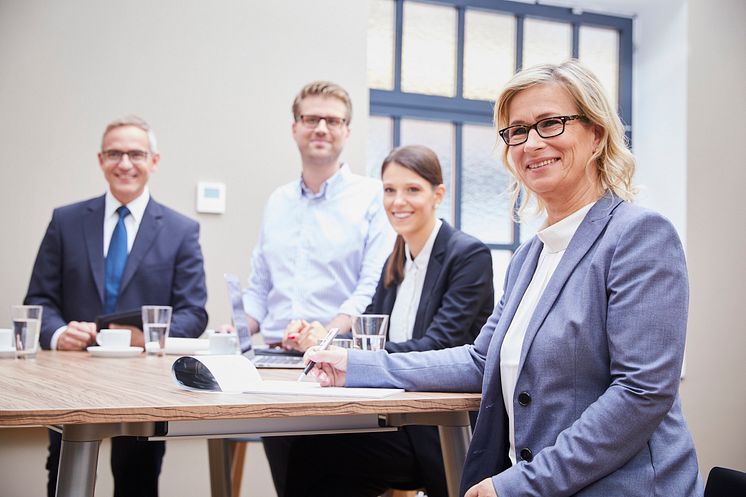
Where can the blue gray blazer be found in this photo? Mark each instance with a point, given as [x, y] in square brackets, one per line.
[599, 411]
[164, 267]
[457, 295]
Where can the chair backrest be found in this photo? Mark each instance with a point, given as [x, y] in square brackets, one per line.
[724, 482]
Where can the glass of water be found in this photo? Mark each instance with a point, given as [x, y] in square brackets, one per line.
[156, 321]
[26, 327]
[369, 331]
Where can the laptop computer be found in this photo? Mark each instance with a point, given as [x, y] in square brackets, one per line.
[273, 357]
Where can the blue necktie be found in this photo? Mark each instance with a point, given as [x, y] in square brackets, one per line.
[116, 258]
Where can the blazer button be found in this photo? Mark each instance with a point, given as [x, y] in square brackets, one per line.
[524, 398]
[526, 454]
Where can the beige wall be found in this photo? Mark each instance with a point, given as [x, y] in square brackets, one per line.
[714, 391]
[216, 80]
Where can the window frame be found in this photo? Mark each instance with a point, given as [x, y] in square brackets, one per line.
[396, 104]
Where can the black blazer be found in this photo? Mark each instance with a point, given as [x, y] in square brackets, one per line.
[457, 297]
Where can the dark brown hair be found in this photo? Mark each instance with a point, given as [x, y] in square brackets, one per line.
[424, 163]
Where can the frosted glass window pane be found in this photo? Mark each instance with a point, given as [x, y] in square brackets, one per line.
[500, 261]
[546, 42]
[485, 203]
[489, 53]
[381, 38]
[429, 49]
[439, 137]
[599, 50]
[380, 136]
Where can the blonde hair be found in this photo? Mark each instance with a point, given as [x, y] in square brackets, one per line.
[323, 89]
[137, 122]
[615, 164]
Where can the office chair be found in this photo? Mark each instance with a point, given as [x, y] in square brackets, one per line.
[723, 482]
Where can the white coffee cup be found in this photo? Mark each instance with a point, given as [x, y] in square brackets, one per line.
[224, 343]
[114, 339]
[6, 339]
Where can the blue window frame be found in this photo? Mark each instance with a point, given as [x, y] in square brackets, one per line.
[462, 113]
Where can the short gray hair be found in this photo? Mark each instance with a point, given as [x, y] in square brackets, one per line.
[137, 122]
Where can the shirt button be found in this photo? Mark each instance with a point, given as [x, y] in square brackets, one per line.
[524, 398]
[526, 454]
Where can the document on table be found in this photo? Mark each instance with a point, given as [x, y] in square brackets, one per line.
[236, 374]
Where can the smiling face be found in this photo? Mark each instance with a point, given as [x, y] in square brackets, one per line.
[127, 180]
[321, 145]
[556, 169]
[410, 202]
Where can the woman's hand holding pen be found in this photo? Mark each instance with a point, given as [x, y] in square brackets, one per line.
[331, 365]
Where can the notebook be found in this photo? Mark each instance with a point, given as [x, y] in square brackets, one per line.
[261, 357]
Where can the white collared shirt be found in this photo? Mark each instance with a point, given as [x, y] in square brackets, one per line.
[556, 238]
[318, 255]
[409, 293]
[131, 222]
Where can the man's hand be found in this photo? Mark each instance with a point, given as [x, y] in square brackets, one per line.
[77, 336]
[137, 336]
[301, 335]
[331, 365]
[484, 488]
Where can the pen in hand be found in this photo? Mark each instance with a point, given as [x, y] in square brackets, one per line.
[325, 343]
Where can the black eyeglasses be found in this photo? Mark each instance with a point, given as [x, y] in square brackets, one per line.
[332, 122]
[135, 156]
[546, 128]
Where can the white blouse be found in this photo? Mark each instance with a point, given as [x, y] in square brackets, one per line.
[409, 292]
[556, 238]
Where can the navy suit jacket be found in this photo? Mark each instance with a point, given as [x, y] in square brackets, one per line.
[164, 267]
[596, 404]
[457, 296]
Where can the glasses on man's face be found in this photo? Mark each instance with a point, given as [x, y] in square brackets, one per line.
[310, 121]
[137, 157]
[546, 128]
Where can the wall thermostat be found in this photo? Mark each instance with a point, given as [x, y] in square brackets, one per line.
[210, 197]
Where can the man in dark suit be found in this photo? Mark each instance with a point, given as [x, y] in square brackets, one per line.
[114, 253]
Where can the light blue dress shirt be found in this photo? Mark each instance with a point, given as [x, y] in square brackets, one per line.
[318, 255]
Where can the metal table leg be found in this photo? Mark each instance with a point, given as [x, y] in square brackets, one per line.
[77, 473]
[454, 443]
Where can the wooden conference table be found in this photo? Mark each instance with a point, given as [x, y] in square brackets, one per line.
[93, 398]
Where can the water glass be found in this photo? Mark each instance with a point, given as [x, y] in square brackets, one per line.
[26, 328]
[369, 331]
[156, 321]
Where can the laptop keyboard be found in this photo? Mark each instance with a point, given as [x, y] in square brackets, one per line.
[278, 361]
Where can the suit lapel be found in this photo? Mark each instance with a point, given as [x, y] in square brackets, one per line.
[585, 236]
[525, 273]
[434, 266]
[93, 231]
[146, 234]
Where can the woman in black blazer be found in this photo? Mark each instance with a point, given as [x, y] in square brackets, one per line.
[437, 288]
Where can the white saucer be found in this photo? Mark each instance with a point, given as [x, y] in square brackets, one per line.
[97, 351]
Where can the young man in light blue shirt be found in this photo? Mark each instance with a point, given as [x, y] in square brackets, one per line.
[324, 238]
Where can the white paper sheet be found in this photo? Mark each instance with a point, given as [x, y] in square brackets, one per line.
[237, 374]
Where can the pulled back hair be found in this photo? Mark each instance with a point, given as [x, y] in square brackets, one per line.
[613, 160]
[424, 163]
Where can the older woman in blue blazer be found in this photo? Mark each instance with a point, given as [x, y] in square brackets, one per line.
[579, 363]
[437, 288]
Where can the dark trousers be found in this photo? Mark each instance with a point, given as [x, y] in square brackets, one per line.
[135, 464]
[357, 464]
